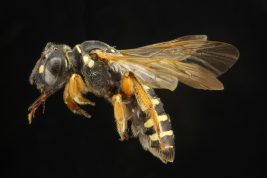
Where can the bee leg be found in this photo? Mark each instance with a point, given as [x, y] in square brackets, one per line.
[82, 101]
[73, 93]
[121, 115]
[127, 85]
[76, 88]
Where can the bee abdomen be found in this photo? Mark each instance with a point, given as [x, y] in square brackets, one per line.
[158, 124]
[154, 128]
[165, 155]
[159, 130]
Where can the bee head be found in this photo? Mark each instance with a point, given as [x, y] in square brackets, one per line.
[52, 69]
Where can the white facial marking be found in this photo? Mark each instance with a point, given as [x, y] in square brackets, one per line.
[41, 69]
[112, 50]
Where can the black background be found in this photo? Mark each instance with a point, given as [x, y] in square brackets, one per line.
[218, 133]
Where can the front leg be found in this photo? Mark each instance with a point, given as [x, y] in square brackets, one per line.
[73, 93]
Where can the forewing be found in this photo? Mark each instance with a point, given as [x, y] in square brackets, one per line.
[153, 78]
[183, 38]
[167, 70]
[161, 73]
[217, 57]
[195, 62]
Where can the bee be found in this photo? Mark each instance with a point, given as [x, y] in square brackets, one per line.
[127, 78]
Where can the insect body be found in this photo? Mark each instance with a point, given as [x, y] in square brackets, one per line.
[127, 79]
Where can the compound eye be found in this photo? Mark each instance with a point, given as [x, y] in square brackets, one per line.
[52, 69]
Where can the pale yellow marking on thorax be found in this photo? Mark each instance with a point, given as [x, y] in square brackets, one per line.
[85, 59]
[170, 132]
[91, 63]
[88, 61]
[66, 63]
[78, 48]
[41, 69]
[149, 123]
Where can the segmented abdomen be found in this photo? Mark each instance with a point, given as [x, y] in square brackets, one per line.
[152, 126]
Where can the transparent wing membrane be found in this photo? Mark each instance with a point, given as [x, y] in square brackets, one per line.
[190, 59]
